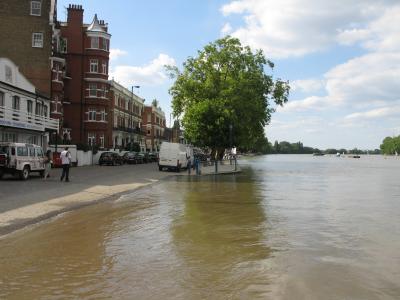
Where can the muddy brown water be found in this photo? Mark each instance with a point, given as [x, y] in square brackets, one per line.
[288, 227]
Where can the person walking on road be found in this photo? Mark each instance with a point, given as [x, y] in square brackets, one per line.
[66, 162]
[47, 164]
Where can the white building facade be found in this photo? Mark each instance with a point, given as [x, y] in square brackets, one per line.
[24, 114]
[127, 111]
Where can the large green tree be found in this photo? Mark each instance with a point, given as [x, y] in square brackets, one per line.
[223, 95]
[391, 145]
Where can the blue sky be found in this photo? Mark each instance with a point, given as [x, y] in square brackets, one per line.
[341, 57]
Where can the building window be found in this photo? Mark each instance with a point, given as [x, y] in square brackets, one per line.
[94, 66]
[103, 115]
[57, 73]
[36, 7]
[54, 106]
[104, 44]
[38, 109]
[104, 69]
[9, 137]
[103, 92]
[37, 40]
[101, 138]
[92, 115]
[91, 139]
[116, 100]
[15, 102]
[45, 111]
[1, 98]
[94, 43]
[92, 90]
[29, 106]
[63, 45]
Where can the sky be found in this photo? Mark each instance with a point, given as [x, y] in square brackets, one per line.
[341, 58]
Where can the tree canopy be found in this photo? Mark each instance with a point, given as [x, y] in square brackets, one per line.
[223, 95]
[391, 145]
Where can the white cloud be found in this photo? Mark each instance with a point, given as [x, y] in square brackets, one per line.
[307, 85]
[150, 74]
[309, 103]
[297, 27]
[116, 53]
[369, 79]
[375, 113]
[227, 29]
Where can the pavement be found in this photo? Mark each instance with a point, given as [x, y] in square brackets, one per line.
[26, 202]
[23, 203]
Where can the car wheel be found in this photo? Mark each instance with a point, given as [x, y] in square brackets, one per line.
[24, 174]
[1, 174]
[160, 168]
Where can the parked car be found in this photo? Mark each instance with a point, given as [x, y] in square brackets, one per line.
[153, 156]
[139, 158]
[132, 158]
[145, 157]
[110, 158]
[21, 159]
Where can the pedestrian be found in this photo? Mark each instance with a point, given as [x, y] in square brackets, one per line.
[66, 162]
[189, 163]
[47, 164]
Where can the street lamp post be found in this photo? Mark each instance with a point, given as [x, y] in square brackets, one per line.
[230, 143]
[136, 87]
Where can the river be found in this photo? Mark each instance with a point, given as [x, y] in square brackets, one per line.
[287, 227]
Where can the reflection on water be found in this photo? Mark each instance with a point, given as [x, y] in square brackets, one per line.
[289, 227]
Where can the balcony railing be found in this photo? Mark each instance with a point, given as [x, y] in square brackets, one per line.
[130, 130]
[18, 119]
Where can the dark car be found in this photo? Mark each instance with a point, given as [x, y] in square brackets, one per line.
[153, 157]
[132, 158]
[110, 158]
[144, 156]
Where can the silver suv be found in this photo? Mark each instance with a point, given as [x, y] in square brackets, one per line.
[21, 159]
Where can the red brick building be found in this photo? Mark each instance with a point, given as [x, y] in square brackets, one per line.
[26, 39]
[153, 124]
[86, 104]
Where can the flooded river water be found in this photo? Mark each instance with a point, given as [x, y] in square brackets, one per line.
[288, 227]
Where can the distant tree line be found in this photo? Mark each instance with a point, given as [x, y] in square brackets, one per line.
[391, 145]
[265, 147]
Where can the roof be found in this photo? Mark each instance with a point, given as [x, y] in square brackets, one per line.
[95, 25]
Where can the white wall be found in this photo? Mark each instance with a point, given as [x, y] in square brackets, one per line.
[84, 158]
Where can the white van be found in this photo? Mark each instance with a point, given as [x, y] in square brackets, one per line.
[21, 159]
[175, 156]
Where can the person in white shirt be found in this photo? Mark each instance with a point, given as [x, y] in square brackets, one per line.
[65, 161]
